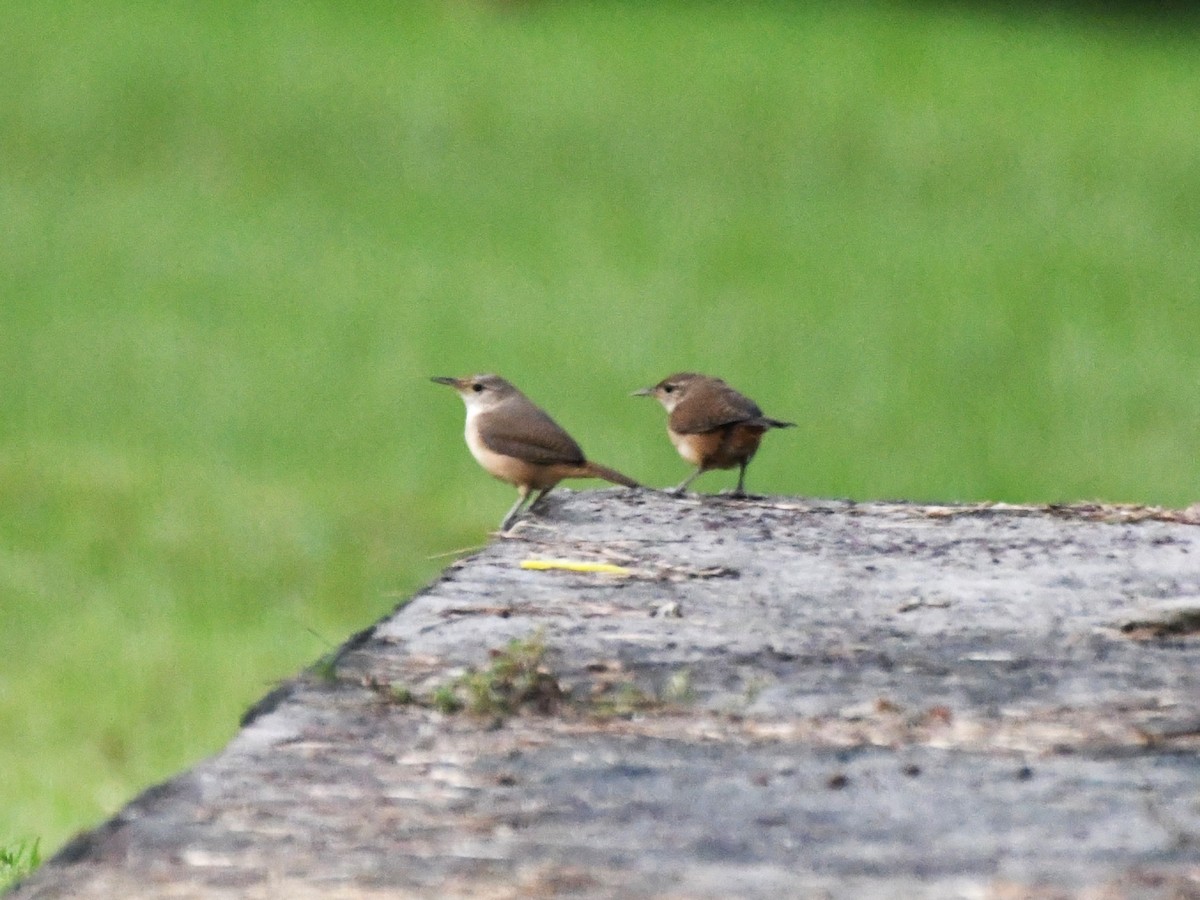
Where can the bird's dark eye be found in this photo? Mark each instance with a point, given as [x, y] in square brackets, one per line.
[667, 388]
[477, 388]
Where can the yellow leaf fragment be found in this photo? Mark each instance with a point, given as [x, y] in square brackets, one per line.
[571, 565]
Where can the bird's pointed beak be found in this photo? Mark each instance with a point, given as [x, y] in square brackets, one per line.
[446, 379]
[642, 392]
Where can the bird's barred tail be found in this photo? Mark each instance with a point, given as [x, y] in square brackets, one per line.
[595, 470]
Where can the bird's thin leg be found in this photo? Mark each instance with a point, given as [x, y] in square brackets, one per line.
[539, 498]
[510, 517]
[678, 491]
[738, 491]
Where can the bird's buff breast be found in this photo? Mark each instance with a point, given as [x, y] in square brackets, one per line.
[720, 449]
[695, 448]
[508, 468]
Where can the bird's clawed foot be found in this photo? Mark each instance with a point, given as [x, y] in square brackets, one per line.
[735, 494]
[681, 489]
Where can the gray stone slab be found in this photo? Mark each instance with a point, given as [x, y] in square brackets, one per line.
[773, 698]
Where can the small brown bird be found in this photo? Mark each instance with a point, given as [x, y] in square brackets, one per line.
[517, 442]
[711, 425]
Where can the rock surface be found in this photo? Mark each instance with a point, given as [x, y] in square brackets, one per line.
[719, 698]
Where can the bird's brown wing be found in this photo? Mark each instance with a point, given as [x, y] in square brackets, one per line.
[528, 434]
[711, 406]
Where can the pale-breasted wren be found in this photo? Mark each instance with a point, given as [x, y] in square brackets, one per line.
[516, 441]
[711, 425]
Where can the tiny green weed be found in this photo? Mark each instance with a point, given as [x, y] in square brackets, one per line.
[17, 860]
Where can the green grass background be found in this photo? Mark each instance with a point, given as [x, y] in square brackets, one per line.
[961, 249]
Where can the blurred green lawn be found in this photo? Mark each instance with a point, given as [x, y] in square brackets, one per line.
[961, 250]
